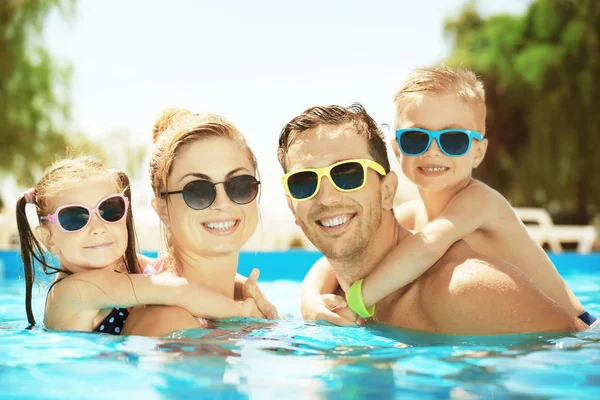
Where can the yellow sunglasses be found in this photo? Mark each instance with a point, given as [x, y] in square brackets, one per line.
[345, 176]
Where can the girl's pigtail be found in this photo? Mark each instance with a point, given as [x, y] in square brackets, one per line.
[130, 257]
[29, 246]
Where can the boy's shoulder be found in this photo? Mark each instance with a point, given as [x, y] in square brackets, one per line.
[481, 194]
[406, 213]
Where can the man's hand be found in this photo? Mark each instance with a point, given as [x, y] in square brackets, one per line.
[251, 290]
[330, 308]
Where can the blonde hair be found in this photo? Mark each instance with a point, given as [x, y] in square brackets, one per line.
[61, 175]
[175, 129]
[439, 81]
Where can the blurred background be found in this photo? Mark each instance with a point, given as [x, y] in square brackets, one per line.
[93, 76]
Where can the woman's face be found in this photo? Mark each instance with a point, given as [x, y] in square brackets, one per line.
[224, 226]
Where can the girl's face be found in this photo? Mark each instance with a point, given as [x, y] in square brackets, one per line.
[98, 245]
[224, 226]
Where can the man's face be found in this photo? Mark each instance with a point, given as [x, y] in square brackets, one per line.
[341, 225]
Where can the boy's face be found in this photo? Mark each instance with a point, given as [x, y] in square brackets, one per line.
[433, 170]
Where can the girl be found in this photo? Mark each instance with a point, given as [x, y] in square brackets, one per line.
[86, 222]
[204, 177]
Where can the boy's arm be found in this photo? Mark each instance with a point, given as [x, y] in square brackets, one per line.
[470, 210]
[105, 288]
[317, 301]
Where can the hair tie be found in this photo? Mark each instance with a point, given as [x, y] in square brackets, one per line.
[29, 196]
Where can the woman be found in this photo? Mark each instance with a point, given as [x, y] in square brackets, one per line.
[204, 179]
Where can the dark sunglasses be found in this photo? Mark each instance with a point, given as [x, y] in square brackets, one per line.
[200, 194]
[75, 217]
[345, 176]
[452, 142]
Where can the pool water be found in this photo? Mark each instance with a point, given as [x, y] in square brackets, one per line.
[290, 358]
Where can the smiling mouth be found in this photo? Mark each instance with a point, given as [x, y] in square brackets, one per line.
[335, 222]
[99, 246]
[221, 225]
[433, 169]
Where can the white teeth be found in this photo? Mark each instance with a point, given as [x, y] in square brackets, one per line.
[337, 221]
[434, 169]
[220, 225]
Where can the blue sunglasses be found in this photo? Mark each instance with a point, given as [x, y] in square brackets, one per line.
[452, 142]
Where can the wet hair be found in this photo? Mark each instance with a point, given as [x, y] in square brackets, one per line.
[440, 81]
[61, 175]
[174, 130]
[355, 114]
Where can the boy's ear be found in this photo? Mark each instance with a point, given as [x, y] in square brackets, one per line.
[290, 204]
[160, 207]
[389, 187]
[480, 152]
[44, 236]
[395, 148]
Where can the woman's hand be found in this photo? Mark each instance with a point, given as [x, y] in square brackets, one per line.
[251, 310]
[250, 290]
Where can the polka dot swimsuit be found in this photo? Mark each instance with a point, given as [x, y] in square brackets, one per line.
[113, 323]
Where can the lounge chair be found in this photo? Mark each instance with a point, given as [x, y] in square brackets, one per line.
[545, 232]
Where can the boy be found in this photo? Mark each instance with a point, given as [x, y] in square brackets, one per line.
[440, 138]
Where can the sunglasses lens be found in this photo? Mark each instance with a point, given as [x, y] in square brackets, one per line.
[112, 209]
[303, 184]
[199, 194]
[413, 142]
[242, 189]
[73, 218]
[348, 176]
[454, 143]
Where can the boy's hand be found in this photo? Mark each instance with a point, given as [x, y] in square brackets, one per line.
[251, 290]
[330, 308]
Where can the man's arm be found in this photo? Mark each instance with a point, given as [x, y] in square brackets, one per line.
[488, 298]
[417, 253]
[317, 299]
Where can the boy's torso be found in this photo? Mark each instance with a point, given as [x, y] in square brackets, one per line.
[505, 238]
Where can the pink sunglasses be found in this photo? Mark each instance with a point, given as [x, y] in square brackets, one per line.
[75, 217]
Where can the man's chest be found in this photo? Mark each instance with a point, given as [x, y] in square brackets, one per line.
[405, 311]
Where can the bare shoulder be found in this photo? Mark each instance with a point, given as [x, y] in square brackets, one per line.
[406, 213]
[484, 194]
[158, 320]
[321, 263]
[479, 295]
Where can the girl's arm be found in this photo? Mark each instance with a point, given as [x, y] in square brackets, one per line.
[95, 290]
[470, 210]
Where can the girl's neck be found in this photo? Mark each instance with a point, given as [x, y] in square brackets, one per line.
[217, 272]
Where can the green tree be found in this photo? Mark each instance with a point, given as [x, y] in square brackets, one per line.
[542, 77]
[34, 88]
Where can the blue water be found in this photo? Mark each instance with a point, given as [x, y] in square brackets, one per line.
[293, 359]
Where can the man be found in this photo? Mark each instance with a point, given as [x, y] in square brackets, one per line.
[341, 191]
